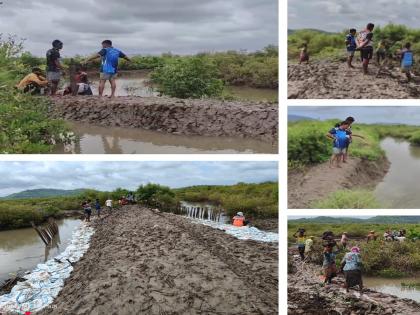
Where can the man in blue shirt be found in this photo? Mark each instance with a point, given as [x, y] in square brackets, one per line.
[351, 46]
[109, 65]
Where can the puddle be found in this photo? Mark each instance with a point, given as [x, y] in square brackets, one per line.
[117, 140]
[399, 188]
[394, 287]
[23, 248]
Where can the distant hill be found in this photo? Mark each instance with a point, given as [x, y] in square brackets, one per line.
[292, 118]
[43, 193]
[290, 31]
[377, 219]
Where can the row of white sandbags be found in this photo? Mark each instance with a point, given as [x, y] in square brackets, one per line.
[44, 283]
[242, 233]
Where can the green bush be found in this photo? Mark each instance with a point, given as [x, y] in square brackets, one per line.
[158, 196]
[193, 77]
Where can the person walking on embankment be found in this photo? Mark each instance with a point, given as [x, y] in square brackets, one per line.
[301, 242]
[109, 65]
[365, 45]
[108, 204]
[407, 61]
[351, 265]
[328, 264]
[351, 46]
[98, 207]
[54, 66]
[87, 209]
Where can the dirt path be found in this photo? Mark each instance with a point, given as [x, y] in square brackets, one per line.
[319, 181]
[143, 262]
[206, 117]
[332, 79]
[306, 296]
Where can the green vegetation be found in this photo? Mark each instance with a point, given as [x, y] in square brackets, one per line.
[380, 258]
[322, 45]
[198, 75]
[24, 123]
[257, 200]
[194, 77]
[161, 197]
[308, 144]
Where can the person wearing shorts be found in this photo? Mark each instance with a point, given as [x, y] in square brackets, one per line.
[365, 44]
[109, 65]
[340, 140]
[351, 46]
[54, 66]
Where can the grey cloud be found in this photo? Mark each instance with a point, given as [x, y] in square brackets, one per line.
[18, 176]
[145, 26]
[337, 15]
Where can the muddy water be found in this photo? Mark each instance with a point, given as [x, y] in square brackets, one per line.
[399, 189]
[23, 249]
[394, 287]
[102, 140]
[137, 83]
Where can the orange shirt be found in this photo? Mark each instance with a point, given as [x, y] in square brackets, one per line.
[238, 221]
[32, 78]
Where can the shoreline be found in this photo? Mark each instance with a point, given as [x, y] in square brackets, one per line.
[309, 185]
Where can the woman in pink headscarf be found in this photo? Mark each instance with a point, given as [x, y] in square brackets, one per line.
[351, 265]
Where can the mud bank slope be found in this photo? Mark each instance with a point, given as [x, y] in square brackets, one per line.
[306, 296]
[317, 182]
[256, 120]
[143, 262]
[332, 79]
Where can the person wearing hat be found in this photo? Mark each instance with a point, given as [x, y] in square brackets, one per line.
[54, 66]
[351, 265]
[239, 220]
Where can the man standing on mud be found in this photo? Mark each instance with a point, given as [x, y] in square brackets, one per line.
[109, 65]
[365, 44]
[54, 66]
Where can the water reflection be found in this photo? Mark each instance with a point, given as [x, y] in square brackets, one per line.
[399, 188]
[117, 140]
[23, 249]
[394, 287]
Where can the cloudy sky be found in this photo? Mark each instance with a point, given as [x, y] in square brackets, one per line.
[18, 176]
[142, 26]
[337, 15]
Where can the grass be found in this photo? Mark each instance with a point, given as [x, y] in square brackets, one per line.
[380, 258]
[348, 199]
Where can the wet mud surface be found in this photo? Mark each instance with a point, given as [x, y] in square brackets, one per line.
[306, 296]
[256, 120]
[317, 182]
[146, 262]
[332, 79]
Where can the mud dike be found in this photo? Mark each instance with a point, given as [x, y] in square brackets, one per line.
[142, 261]
[332, 79]
[306, 296]
[257, 120]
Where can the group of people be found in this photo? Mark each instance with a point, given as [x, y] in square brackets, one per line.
[342, 136]
[363, 42]
[38, 83]
[351, 264]
[87, 207]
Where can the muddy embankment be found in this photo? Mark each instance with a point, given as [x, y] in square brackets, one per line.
[307, 296]
[332, 79]
[317, 182]
[145, 262]
[257, 120]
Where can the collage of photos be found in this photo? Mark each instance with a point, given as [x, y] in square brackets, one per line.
[353, 155]
[139, 166]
